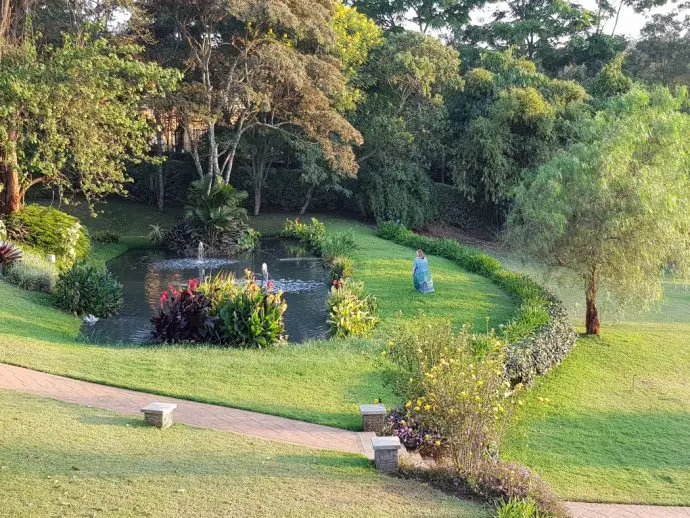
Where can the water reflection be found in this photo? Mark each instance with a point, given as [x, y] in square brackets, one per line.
[146, 273]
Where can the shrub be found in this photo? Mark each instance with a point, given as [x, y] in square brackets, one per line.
[32, 273]
[248, 240]
[105, 236]
[87, 289]
[221, 311]
[157, 234]
[50, 231]
[252, 317]
[184, 316]
[455, 388]
[3, 230]
[405, 423]
[351, 311]
[9, 253]
[184, 237]
[539, 334]
[341, 269]
[494, 480]
[311, 234]
[518, 508]
[342, 244]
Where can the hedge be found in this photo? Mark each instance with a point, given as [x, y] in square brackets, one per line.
[539, 334]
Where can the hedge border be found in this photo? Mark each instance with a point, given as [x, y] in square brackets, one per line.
[539, 334]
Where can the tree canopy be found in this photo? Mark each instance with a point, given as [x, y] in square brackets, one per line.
[72, 115]
[260, 63]
[615, 206]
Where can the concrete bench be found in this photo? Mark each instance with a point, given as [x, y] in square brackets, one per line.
[159, 414]
[373, 417]
[386, 453]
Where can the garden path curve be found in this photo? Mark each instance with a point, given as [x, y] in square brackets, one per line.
[188, 412]
[274, 428]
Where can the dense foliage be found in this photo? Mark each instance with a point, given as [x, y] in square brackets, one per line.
[50, 231]
[32, 273]
[87, 289]
[214, 217]
[351, 311]
[613, 207]
[72, 114]
[221, 311]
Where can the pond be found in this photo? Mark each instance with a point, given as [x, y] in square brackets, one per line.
[144, 274]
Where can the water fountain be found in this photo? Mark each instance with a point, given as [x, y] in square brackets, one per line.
[200, 259]
[264, 274]
[145, 273]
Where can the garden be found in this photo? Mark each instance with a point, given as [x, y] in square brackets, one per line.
[298, 208]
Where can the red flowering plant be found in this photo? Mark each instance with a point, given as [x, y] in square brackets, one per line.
[185, 316]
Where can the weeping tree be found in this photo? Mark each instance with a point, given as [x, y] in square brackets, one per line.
[615, 207]
[254, 64]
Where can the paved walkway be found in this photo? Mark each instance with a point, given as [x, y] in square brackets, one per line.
[584, 510]
[257, 425]
[188, 412]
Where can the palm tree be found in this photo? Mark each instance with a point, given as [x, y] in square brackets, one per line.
[215, 204]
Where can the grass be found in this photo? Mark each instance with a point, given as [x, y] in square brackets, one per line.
[617, 423]
[65, 460]
[322, 382]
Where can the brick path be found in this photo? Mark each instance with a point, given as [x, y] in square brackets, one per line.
[584, 510]
[257, 425]
[188, 412]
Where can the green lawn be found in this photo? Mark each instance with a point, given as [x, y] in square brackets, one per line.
[65, 460]
[617, 424]
[322, 382]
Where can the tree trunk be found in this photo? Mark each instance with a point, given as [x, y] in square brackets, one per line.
[161, 174]
[257, 199]
[304, 208]
[9, 172]
[592, 316]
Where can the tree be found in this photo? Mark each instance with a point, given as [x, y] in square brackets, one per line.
[426, 15]
[533, 27]
[662, 54]
[615, 207]
[404, 121]
[508, 120]
[263, 147]
[611, 81]
[260, 63]
[72, 116]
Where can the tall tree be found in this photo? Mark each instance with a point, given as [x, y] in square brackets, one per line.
[509, 119]
[72, 116]
[424, 15]
[259, 63]
[662, 54]
[534, 27]
[404, 120]
[614, 208]
[71, 113]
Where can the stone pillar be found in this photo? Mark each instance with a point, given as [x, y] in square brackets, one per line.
[386, 453]
[373, 417]
[159, 414]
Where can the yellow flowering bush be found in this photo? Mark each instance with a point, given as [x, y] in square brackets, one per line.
[455, 387]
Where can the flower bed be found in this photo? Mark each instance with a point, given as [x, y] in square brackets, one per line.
[539, 335]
